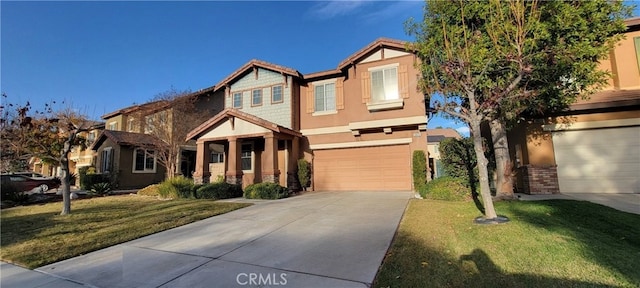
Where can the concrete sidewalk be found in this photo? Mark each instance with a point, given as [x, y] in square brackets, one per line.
[313, 240]
[627, 202]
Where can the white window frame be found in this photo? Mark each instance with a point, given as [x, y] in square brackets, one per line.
[219, 156]
[233, 100]
[382, 69]
[105, 162]
[130, 125]
[145, 169]
[252, 157]
[315, 107]
[113, 125]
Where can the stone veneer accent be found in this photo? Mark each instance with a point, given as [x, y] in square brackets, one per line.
[539, 179]
[234, 179]
[199, 179]
[271, 178]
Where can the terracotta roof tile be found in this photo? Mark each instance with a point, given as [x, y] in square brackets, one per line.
[255, 63]
[126, 139]
[446, 132]
[380, 42]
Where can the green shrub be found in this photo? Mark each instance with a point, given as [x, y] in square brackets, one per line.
[220, 190]
[151, 190]
[419, 169]
[88, 180]
[100, 189]
[446, 188]
[265, 191]
[304, 173]
[176, 188]
[10, 193]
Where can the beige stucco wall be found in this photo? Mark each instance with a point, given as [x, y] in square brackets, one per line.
[623, 65]
[354, 110]
[537, 145]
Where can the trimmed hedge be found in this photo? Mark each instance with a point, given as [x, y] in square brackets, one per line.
[220, 190]
[419, 169]
[265, 191]
[446, 188]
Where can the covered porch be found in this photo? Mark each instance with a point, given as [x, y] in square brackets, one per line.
[243, 149]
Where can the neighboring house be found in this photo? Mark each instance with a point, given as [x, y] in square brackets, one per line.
[126, 149]
[434, 137]
[78, 157]
[357, 124]
[129, 157]
[598, 150]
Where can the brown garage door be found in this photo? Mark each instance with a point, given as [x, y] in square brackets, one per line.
[367, 168]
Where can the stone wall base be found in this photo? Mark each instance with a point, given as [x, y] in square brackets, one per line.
[539, 179]
[271, 178]
[201, 179]
[234, 179]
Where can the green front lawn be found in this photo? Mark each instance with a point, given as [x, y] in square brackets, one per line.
[33, 236]
[555, 243]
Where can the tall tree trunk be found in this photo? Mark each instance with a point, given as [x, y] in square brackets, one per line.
[64, 167]
[504, 181]
[485, 191]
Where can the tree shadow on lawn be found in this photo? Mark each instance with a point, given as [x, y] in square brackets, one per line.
[602, 231]
[417, 265]
[19, 228]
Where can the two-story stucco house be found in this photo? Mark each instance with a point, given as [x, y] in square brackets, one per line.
[127, 148]
[357, 124]
[598, 151]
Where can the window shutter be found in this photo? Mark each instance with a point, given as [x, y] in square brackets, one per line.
[366, 86]
[403, 81]
[339, 94]
[310, 99]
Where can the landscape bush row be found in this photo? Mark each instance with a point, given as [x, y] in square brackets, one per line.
[183, 188]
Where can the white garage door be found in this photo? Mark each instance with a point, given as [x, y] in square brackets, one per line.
[366, 168]
[599, 160]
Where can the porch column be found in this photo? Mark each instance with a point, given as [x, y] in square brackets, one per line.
[234, 168]
[202, 174]
[270, 172]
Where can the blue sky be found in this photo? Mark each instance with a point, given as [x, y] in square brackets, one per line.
[98, 57]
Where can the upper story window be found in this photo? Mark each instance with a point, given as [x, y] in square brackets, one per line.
[144, 161]
[276, 94]
[256, 97]
[325, 97]
[384, 84]
[237, 100]
[91, 137]
[130, 125]
[113, 126]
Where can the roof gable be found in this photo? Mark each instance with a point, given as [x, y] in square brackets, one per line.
[232, 122]
[370, 52]
[254, 64]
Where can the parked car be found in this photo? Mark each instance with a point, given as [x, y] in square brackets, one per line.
[31, 175]
[23, 183]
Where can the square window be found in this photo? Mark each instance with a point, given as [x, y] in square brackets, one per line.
[276, 94]
[384, 84]
[144, 161]
[256, 97]
[325, 97]
[237, 100]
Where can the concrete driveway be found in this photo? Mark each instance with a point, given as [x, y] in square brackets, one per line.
[320, 239]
